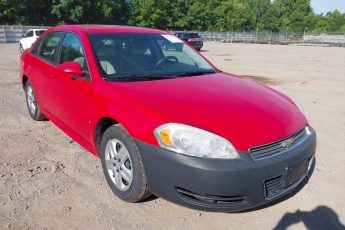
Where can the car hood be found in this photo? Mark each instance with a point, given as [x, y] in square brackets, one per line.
[246, 113]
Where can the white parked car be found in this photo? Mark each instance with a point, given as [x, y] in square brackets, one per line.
[29, 38]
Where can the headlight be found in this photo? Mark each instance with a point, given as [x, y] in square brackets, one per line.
[192, 141]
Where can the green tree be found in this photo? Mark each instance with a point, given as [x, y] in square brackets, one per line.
[3, 6]
[342, 29]
[291, 14]
[199, 15]
[259, 12]
[89, 11]
[336, 20]
[150, 13]
[26, 12]
[213, 15]
[234, 15]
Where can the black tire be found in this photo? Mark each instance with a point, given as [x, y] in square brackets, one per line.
[35, 113]
[21, 49]
[138, 189]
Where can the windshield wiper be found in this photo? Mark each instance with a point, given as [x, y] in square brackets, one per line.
[134, 77]
[196, 73]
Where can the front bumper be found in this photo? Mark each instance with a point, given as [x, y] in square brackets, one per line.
[226, 185]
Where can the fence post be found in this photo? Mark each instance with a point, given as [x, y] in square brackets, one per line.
[5, 34]
[286, 38]
[344, 41]
[2, 30]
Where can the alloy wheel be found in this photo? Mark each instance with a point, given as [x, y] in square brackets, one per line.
[31, 99]
[119, 165]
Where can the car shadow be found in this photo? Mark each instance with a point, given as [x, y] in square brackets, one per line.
[322, 217]
[148, 199]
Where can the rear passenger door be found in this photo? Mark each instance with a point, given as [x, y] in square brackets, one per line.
[43, 69]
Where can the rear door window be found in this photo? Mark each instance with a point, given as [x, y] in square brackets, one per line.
[39, 32]
[35, 47]
[49, 46]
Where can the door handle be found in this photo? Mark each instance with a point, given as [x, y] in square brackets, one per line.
[75, 77]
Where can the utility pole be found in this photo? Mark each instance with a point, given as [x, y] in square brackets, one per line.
[304, 34]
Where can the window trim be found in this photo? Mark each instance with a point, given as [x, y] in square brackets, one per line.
[82, 45]
[59, 46]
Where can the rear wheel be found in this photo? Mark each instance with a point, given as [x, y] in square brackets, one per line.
[34, 109]
[122, 165]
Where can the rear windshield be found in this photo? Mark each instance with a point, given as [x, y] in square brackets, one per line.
[39, 32]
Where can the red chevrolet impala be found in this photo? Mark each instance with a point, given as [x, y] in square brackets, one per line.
[164, 120]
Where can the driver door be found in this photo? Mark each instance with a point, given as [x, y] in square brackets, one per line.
[75, 92]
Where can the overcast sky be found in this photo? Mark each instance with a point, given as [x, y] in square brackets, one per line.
[323, 6]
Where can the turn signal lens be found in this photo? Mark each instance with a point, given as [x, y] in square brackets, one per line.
[165, 136]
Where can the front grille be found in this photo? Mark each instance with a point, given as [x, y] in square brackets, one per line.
[273, 187]
[277, 146]
[211, 200]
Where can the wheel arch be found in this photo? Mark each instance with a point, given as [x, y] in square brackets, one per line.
[102, 125]
[24, 80]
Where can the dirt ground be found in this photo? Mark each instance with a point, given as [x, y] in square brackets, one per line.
[49, 182]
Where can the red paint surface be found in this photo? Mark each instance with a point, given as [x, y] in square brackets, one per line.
[244, 112]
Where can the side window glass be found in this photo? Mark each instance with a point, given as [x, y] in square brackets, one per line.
[35, 47]
[72, 50]
[39, 32]
[50, 45]
[29, 34]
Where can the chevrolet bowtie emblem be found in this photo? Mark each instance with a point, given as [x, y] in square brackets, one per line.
[287, 143]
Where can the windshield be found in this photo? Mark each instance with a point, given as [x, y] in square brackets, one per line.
[193, 36]
[146, 56]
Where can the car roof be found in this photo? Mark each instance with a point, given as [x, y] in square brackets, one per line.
[188, 33]
[38, 29]
[96, 29]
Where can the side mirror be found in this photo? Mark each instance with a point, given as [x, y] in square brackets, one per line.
[71, 67]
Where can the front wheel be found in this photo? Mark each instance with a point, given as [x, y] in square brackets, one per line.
[122, 165]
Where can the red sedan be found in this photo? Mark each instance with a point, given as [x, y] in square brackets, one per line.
[164, 120]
